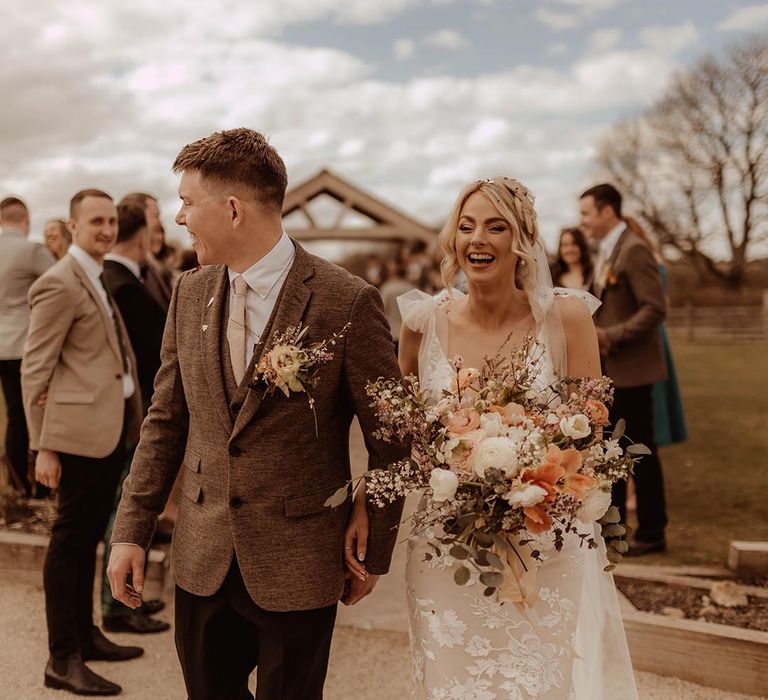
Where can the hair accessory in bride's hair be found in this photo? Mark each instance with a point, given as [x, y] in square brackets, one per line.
[519, 190]
[485, 181]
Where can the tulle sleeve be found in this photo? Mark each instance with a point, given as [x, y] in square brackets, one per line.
[417, 308]
[590, 301]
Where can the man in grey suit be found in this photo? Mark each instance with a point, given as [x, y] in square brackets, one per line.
[21, 263]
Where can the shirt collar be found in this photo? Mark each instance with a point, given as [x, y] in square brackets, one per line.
[132, 265]
[609, 242]
[10, 231]
[92, 268]
[262, 276]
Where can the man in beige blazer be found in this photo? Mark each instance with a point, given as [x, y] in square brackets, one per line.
[21, 263]
[258, 558]
[628, 282]
[82, 402]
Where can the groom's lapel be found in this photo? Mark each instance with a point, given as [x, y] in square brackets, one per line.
[215, 300]
[288, 311]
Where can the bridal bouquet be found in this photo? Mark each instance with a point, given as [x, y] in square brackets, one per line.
[502, 464]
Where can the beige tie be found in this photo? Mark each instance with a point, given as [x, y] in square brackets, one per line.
[237, 330]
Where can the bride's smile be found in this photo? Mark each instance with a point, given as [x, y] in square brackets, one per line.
[484, 241]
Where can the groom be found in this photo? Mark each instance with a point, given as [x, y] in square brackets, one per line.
[258, 558]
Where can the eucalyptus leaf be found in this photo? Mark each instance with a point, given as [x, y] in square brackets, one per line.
[618, 431]
[638, 449]
[461, 575]
[488, 592]
[483, 539]
[338, 498]
[621, 546]
[495, 561]
[492, 579]
[614, 531]
[459, 551]
[482, 558]
[611, 516]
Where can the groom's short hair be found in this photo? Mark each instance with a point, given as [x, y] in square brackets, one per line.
[605, 195]
[239, 157]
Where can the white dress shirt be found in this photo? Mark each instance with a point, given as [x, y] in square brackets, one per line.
[608, 244]
[265, 280]
[132, 265]
[94, 270]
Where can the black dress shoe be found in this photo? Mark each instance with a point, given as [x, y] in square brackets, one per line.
[150, 607]
[99, 648]
[73, 675]
[136, 622]
[639, 548]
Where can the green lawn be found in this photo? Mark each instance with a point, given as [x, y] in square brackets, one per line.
[717, 482]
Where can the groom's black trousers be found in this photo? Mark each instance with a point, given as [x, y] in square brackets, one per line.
[635, 406]
[221, 638]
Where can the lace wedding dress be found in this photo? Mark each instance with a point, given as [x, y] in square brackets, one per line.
[466, 646]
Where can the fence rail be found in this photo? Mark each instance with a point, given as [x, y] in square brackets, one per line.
[719, 323]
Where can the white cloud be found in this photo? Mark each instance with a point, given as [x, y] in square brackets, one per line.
[557, 49]
[446, 39]
[670, 40]
[749, 18]
[604, 39]
[111, 106]
[560, 15]
[403, 49]
[591, 5]
[557, 21]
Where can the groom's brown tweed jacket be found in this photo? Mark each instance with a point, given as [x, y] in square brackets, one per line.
[257, 475]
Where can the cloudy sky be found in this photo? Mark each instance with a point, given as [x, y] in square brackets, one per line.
[408, 98]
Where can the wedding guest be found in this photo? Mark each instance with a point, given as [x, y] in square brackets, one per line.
[187, 260]
[57, 237]
[21, 263]
[394, 285]
[628, 283]
[573, 267]
[374, 271]
[668, 414]
[82, 403]
[156, 278]
[144, 320]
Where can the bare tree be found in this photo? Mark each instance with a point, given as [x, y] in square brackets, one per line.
[695, 165]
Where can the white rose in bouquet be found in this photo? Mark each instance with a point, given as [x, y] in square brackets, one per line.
[525, 495]
[443, 483]
[490, 424]
[497, 453]
[575, 427]
[594, 506]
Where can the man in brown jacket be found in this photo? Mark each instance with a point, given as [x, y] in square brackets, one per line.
[78, 378]
[628, 282]
[258, 558]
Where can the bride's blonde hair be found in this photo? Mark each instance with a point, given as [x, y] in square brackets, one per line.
[516, 205]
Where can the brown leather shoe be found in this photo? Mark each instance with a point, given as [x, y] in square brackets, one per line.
[73, 675]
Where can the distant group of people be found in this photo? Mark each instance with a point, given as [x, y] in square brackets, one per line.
[81, 323]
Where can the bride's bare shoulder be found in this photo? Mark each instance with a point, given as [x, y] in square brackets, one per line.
[573, 313]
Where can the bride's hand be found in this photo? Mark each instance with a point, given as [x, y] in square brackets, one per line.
[356, 537]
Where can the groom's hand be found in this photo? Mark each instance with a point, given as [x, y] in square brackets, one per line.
[357, 589]
[125, 560]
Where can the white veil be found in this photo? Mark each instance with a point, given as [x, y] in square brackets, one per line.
[603, 669]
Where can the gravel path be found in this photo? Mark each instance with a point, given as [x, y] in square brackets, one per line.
[365, 664]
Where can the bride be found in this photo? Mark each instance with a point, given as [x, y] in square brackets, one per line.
[571, 644]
